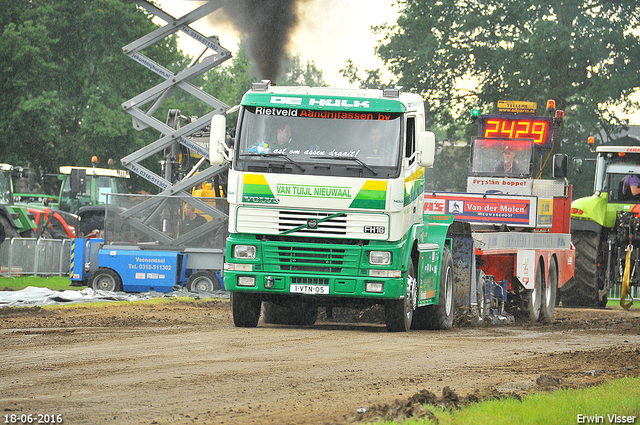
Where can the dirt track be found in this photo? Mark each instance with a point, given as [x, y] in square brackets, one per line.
[186, 363]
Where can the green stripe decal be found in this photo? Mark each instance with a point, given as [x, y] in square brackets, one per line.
[256, 186]
[373, 195]
[413, 186]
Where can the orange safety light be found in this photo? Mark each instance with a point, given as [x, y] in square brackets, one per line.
[94, 159]
[591, 140]
[551, 105]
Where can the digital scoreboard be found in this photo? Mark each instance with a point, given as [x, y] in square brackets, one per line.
[540, 129]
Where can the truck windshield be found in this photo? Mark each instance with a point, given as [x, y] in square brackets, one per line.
[5, 188]
[501, 157]
[612, 167]
[271, 139]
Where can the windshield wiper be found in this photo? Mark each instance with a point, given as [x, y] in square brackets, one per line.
[264, 155]
[347, 158]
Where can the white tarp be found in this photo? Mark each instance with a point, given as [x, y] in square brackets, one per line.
[33, 296]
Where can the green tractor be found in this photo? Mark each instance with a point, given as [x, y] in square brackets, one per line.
[15, 220]
[84, 192]
[605, 229]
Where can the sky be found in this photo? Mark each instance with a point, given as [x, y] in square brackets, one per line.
[330, 32]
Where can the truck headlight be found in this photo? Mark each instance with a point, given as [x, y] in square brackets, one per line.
[380, 258]
[247, 252]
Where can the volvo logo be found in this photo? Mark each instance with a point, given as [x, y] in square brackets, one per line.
[312, 223]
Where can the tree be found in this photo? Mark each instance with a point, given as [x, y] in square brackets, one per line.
[373, 79]
[298, 75]
[64, 77]
[585, 54]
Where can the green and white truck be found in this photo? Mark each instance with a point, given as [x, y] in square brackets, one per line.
[333, 219]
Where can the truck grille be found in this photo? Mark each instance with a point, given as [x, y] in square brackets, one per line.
[309, 281]
[289, 220]
[308, 258]
[297, 223]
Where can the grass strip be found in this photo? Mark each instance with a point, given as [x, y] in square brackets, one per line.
[55, 283]
[616, 401]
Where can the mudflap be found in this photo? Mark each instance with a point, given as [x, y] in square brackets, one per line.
[467, 291]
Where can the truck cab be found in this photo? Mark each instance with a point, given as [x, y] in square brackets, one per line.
[325, 194]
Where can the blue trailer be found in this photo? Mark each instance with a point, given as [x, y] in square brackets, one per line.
[135, 269]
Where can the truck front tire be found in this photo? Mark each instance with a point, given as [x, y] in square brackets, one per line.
[246, 309]
[398, 314]
[440, 316]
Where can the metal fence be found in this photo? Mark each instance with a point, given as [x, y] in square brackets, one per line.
[614, 293]
[50, 257]
[36, 257]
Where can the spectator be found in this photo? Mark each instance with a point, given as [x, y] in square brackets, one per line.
[191, 219]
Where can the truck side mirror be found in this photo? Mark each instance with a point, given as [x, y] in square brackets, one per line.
[577, 165]
[218, 133]
[426, 148]
[560, 165]
[78, 180]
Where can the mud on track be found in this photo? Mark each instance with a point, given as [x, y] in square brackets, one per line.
[185, 362]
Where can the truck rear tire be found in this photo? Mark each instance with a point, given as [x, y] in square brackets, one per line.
[398, 314]
[204, 282]
[246, 309]
[582, 289]
[549, 294]
[106, 280]
[532, 300]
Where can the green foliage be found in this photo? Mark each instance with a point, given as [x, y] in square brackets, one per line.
[64, 76]
[373, 79]
[583, 54]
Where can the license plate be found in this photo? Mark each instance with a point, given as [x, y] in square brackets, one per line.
[310, 289]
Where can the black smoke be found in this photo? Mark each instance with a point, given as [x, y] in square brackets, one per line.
[267, 26]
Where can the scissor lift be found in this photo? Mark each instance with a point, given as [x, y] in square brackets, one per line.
[149, 223]
[173, 135]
